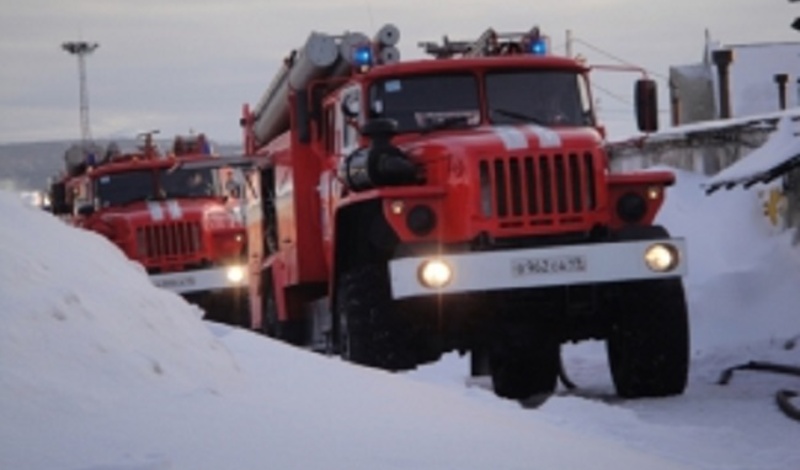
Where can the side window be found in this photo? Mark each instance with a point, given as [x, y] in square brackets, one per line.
[586, 101]
[350, 118]
[252, 185]
[83, 195]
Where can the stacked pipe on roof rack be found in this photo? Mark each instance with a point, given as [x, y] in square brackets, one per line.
[322, 56]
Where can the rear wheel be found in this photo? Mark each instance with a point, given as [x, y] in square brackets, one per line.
[231, 307]
[292, 332]
[373, 331]
[524, 361]
[648, 343]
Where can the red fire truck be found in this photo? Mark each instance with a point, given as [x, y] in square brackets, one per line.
[179, 214]
[460, 203]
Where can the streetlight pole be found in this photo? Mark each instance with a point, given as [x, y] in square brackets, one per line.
[81, 49]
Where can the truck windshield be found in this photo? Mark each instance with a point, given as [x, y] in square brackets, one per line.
[545, 97]
[427, 102]
[117, 189]
[186, 182]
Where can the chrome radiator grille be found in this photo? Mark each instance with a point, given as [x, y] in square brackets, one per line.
[168, 242]
[538, 189]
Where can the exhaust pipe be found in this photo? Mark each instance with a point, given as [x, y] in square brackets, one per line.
[781, 79]
[722, 59]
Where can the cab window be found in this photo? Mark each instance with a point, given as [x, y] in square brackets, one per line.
[420, 103]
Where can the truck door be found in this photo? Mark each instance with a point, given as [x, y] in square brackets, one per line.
[253, 218]
[342, 119]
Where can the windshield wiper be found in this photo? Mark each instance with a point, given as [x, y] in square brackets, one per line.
[143, 197]
[448, 122]
[517, 116]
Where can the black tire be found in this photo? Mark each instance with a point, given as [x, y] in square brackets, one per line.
[269, 322]
[524, 362]
[229, 307]
[479, 362]
[372, 330]
[648, 342]
[292, 332]
[240, 308]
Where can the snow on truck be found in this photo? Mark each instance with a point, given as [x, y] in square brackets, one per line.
[178, 214]
[460, 203]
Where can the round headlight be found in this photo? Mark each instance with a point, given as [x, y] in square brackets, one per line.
[661, 257]
[435, 274]
[421, 220]
[631, 207]
[235, 274]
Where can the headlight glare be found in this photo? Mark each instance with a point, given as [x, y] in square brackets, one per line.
[235, 274]
[661, 257]
[435, 274]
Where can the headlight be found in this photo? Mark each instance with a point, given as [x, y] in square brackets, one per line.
[235, 274]
[435, 274]
[662, 257]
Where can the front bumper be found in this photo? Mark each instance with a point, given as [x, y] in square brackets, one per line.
[536, 267]
[185, 282]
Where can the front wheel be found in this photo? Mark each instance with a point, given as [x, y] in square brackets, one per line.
[372, 330]
[289, 331]
[524, 362]
[648, 342]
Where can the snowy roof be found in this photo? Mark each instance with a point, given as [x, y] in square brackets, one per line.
[779, 154]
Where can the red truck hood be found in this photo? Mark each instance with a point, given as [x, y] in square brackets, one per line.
[148, 212]
[507, 138]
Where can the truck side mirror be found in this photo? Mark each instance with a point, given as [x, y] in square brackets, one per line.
[86, 210]
[646, 100]
[58, 199]
[350, 106]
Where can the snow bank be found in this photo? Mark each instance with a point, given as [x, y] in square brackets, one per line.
[742, 281]
[100, 370]
[80, 320]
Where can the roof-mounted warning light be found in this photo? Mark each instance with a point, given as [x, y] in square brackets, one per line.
[491, 43]
[534, 43]
[364, 53]
[362, 56]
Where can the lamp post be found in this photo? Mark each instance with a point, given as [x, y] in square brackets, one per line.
[81, 49]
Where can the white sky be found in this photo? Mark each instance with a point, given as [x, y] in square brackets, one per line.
[101, 371]
[177, 65]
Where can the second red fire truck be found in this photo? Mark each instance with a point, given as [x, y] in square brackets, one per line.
[178, 213]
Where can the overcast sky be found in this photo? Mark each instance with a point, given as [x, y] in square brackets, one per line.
[181, 65]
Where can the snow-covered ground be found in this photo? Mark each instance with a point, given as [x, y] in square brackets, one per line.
[101, 371]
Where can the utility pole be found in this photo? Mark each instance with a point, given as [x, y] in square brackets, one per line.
[569, 44]
[81, 49]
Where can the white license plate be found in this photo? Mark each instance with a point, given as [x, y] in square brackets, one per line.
[549, 265]
[175, 282]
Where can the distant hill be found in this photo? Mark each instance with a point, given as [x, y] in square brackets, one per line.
[27, 166]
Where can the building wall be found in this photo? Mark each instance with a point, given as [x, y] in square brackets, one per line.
[694, 88]
[753, 86]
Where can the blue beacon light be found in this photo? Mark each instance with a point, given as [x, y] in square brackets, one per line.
[362, 55]
[538, 47]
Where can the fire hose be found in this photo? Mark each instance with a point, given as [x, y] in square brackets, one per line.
[783, 398]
